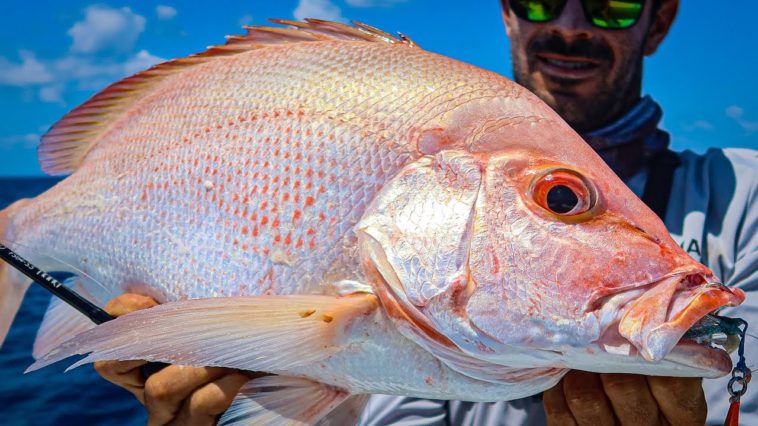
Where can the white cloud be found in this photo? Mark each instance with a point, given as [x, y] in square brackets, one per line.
[165, 13]
[141, 61]
[733, 111]
[321, 9]
[94, 74]
[26, 141]
[52, 93]
[85, 72]
[102, 51]
[698, 125]
[105, 28]
[29, 71]
[737, 113]
[373, 3]
[246, 20]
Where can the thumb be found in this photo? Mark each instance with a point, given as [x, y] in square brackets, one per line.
[129, 302]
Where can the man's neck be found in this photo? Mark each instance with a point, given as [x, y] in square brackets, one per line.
[620, 109]
[626, 143]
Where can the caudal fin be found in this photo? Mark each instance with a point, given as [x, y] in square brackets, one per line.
[13, 284]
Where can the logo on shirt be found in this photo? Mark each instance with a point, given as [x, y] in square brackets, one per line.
[692, 248]
[692, 229]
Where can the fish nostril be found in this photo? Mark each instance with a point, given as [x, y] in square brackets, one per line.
[650, 237]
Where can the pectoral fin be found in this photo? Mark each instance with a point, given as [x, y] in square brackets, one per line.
[263, 333]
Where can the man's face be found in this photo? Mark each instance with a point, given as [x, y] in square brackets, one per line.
[589, 75]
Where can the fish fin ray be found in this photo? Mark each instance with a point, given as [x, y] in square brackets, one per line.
[60, 323]
[347, 413]
[282, 400]
[67, 142]
[13, 284]
[258, 333]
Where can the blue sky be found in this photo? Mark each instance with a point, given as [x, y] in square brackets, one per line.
[54, 55]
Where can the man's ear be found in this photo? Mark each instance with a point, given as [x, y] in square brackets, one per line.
[661, 25]
[508, 17]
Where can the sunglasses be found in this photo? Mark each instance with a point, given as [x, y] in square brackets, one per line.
[606, 14]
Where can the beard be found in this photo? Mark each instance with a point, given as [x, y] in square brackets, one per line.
[585, 104]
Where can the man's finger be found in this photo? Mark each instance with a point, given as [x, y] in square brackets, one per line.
[166, 390]
[121, 372]
[586, 399]
[680, 399]
[556, 410]
[207, 403]
[631, 399]
[128, 302]
[126, 374]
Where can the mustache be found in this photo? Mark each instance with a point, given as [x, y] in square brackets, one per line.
[554, 43]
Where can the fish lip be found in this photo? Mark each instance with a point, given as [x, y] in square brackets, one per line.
[700, 359]
[598, 296]
[695, 294]
[714, 362]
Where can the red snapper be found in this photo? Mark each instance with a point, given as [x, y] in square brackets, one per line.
[339, 207]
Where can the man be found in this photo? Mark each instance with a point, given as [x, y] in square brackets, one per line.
[583, 58]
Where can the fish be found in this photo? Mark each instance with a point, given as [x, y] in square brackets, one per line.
[336, 206]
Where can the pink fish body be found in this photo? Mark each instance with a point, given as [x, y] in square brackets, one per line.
[353, 213]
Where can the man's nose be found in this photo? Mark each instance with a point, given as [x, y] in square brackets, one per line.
[572, 23]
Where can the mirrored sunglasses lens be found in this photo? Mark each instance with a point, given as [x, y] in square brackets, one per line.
[537, 10]
[613, 13]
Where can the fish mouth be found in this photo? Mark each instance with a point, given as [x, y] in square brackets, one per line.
[664, 320]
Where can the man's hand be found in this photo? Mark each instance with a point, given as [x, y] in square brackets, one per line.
[583, 398]
[177, 394]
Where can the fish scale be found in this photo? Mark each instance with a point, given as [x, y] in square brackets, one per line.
[273, 230]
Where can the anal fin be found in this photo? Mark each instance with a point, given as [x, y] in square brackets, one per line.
[61, 322]
[348, 413]
[282, 400]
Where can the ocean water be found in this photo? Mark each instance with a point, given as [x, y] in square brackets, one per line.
[49, 396]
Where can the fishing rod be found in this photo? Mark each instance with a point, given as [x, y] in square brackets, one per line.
[74, 299]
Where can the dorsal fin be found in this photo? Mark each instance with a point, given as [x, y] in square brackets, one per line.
[69, 140]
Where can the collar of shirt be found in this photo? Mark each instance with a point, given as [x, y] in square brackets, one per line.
[628, 143]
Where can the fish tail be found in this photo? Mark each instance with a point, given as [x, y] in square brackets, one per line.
[13, 284]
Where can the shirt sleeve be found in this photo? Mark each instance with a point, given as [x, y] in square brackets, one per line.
[384, 410]
[745, 272]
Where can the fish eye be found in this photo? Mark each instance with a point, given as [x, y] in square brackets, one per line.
[564, 192]
[561, 199]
